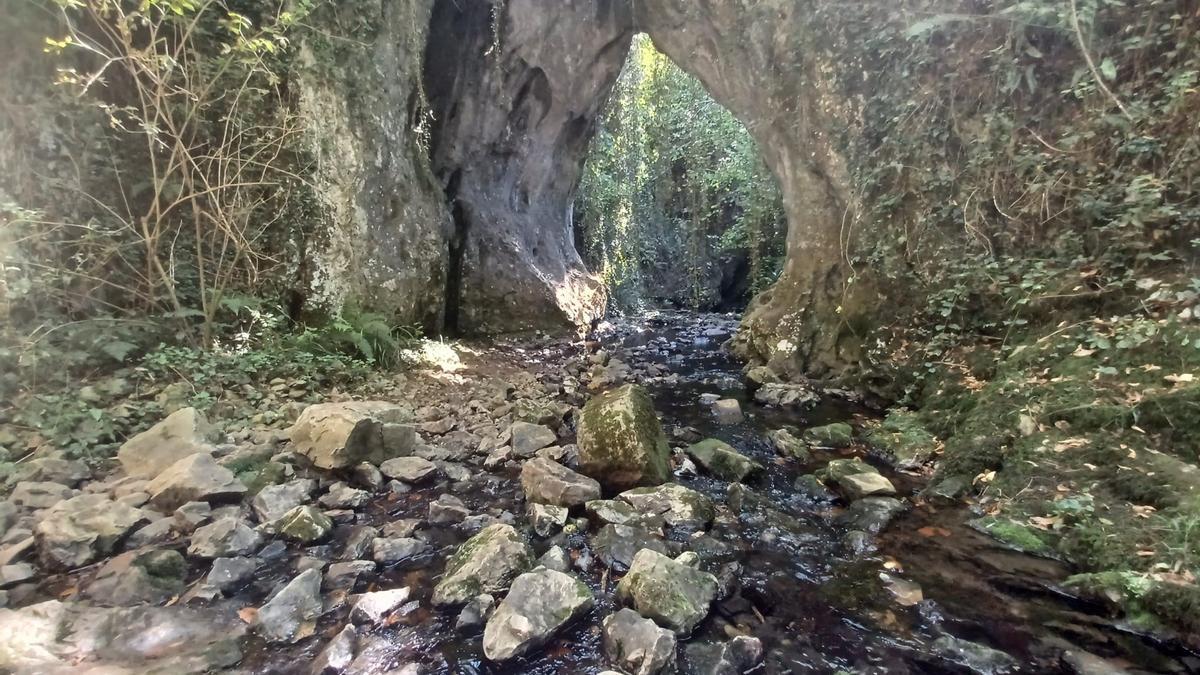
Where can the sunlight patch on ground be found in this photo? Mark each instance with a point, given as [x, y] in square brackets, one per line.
[438, 355]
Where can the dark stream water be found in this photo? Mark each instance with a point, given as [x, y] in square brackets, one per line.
[817, 606]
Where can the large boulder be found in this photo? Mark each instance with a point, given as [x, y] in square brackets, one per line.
[195, 478]
[637, 645]
[539, 604]
[290, 614]
[674, 595]
[721, 460]
[77, 531]
[548, 482]
[341, 435]
[485, 563]
[621, 442]
[184, 432]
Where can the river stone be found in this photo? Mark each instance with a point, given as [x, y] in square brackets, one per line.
[836, 469]
[680, 507]
[373, 608]
[612, 511]
[727, 411]
[16, 573]
[859, 485]
[224, 538]
[305, 524]
[77, 531]
[547, 519]
[872, 514]
[529, 438]
[555, 559]
[273, 501]
[447, 509]
[485, 563]
[341, 435]
[290, 614]
[138, 577]
[617, 545]
[836, 435]
[621, 442]
[638, 645]
[338, 654]
[788, 445]
[409, 469]
[539, 604]
[397, 550]
[742, 654]
[475, 613]
[973, 656]
[183, 433]
[786, 395]
[343, 496]
[194, 478]
[674, 595]
[721, 460]
[69, 472]
[230, 574]
[40, 495]
[548, 482]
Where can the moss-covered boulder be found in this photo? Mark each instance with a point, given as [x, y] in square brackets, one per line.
[837, 469]
[485, 563]
[904, 440]
[788, 444]
[305, 524]
[836, 435]
[674, 595]
[721, 460]
[621, 443]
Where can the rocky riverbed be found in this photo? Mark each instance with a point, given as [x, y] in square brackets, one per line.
[625, 503]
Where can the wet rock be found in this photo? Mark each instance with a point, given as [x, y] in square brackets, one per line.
[79, 530]
[728, 411]
[181, 434]
[40, 495]
[344, 576]
[786, 395]
[740, 655]
[950, 488]
[191, 515]
[809, 487]
[157, 532]
[358, 542]
[291, 612]
[788, 445]
[616, 545]
[195, 478]
[529, 438]
[547, 519]
[907, 593]
[612, 511]
[409, 469]
[368, 476]
[69, 472]
[836, 435]
[373, 608]
[338, 654]
[305, 524]
[680, 507]
[229, 575]
[548, 482]
[837, 469]
[342, 496]
[399, 550]
[721, 460]
[973, 656]
[224, 538]
[903, 439]
[475, 613]
[859, 485]
[405, 527]
[447, 509]
[637, 645]
[674, 595]
[139, 577]
[555, 559]
[16, 573]
[273, 501]
[872, 514]
[621, 442]
[341, 435]
[539, 604]
[485, 563]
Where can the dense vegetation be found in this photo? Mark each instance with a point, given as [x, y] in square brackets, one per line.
[676, 206]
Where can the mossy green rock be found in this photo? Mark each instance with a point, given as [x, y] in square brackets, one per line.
[837, 469]
[485, 563]
[904, 439]
[674, 595]
[787, 444]
[836, 435]
[304, 524]
[721, 460]
[621, 442]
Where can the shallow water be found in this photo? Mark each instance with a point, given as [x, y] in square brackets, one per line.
[817, 606]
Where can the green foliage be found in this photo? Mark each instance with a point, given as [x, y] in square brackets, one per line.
[360, 334]
[672, 181]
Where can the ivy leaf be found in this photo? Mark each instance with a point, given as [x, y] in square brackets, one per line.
[1108, 69]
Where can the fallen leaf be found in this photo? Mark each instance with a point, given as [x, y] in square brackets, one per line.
[1046, 522]
[931, 531]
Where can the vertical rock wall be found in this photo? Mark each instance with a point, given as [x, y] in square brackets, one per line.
[515, 88]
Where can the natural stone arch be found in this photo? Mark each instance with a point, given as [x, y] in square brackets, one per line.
[516, 88]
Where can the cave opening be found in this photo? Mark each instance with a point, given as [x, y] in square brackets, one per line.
[676, 207]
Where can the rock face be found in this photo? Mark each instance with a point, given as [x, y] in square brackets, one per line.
[341, 435]
[184, 432]
[513, 111]
[548, 482]
[721, 460]
[75, 532]
[195, 478]
[674, 595]
[539, 604]
[485, 563]
[621, 442]
[637, 645]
